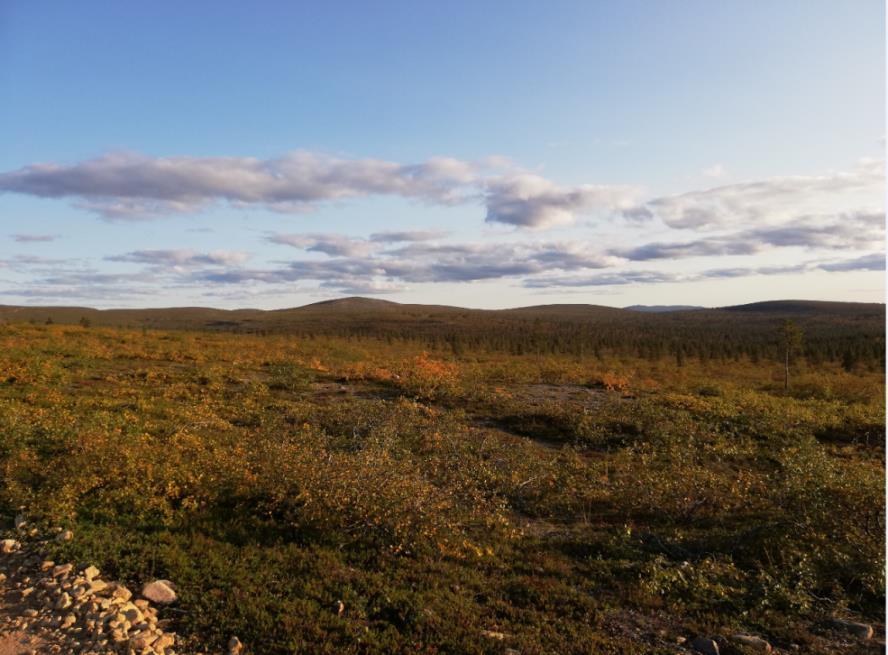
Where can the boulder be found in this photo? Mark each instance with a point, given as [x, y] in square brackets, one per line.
[752, 642]
[160, 592]
[862, 630]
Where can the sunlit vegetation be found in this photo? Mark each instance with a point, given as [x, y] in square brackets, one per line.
[455, 497]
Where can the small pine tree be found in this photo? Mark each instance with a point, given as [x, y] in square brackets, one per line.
[849, 360]
[791, 338]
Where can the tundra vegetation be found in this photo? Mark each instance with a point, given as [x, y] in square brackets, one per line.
[373, 494]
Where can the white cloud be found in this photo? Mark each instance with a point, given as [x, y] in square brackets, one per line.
[848, 231]
[32, 238]
[182, 258]
[128, 185]
[132, 186]
[772, 200]
[527, 200]
[872, 262]
[335, 245]
[410, 235]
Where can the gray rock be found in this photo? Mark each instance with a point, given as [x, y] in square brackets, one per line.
[753, 642]
[160, 592]
[862, 630]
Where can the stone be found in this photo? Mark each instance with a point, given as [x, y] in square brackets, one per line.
[20, 521]
[753, 642]
[140, 642]
[861, 630]
[65, 535]
[160, 592]
[62, 570]
[164, 641]
[122, 593]
[64, 602]
[491, 634]
[8, 546]
[96, 586]
[235, 646]
[704, 646]
[90, 572]
[132, 614]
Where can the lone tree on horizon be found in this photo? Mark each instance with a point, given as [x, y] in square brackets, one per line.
[791, 338]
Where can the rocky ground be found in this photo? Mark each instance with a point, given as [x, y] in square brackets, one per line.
[58, 608]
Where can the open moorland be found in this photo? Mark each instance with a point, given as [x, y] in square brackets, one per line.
[366, 477]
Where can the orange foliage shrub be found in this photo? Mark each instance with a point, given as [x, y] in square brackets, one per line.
[429, 378]
[366, 371]
[614, 382]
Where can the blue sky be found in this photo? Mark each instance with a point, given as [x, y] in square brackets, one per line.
[265, 154]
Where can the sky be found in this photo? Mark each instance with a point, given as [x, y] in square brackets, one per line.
[481, 154]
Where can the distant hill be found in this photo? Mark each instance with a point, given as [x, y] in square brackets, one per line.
[811, 307]
[358, 311]
[351, 304]
[564, 311]
[662, 308]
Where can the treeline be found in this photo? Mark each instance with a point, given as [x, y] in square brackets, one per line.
[852, 334]
[702, 336]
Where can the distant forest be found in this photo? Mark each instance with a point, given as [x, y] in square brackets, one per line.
[702, 335]
[852, 334]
